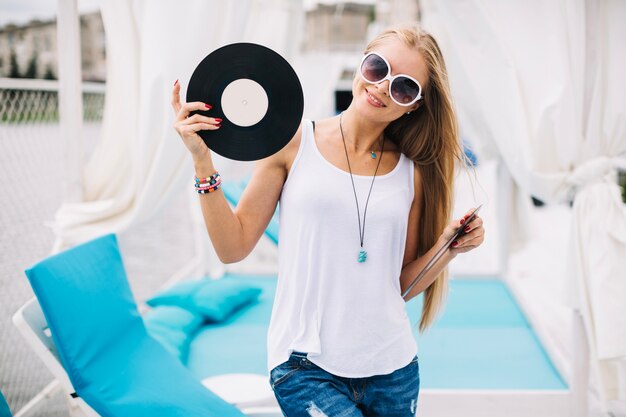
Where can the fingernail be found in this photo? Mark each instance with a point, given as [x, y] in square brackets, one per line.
[218, 120]
[175, 82]
[455, 244]
[467, 229]
[218, 125]
[208, 106]
[462, 220]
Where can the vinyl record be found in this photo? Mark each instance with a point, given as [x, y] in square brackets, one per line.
[255, 92]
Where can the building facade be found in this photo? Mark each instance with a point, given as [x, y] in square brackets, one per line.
[30, 50]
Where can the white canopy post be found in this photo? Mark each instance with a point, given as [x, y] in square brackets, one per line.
[70, 96]
[505, 188]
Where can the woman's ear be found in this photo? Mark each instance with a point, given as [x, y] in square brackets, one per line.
[414, 107]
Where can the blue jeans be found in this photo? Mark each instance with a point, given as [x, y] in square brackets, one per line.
[304, 389]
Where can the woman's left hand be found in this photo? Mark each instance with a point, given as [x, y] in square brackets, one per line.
[473, 237]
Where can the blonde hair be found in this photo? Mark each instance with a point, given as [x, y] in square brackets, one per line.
[429, 136]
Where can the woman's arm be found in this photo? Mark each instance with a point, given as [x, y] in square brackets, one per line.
[413, 265]
[233, 233]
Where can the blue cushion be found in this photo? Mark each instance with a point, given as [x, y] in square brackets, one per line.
[173, 317]
[220, 298]
[485, 357]
[174, 341]
[215, 300]
[111, 361]
[241, 340]
[178, 294]
[482, 341]
[173, 327]
[4, 407]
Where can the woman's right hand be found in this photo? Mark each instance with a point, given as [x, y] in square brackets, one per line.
[188, 127]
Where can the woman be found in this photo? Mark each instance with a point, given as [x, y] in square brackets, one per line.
[340, 342]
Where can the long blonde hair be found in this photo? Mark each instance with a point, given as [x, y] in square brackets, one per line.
[429, 136]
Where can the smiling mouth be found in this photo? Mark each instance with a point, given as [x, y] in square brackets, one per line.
[374, 99]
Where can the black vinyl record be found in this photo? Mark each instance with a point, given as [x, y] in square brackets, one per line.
[255, 92]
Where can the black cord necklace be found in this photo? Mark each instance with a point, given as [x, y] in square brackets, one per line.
[363, 253]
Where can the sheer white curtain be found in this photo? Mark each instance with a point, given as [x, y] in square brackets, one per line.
[139, 162]
[542, 85]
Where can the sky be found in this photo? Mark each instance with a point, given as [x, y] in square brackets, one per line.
[23, 11]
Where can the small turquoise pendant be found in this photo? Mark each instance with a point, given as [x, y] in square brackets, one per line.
[373, 155]
[362, 256]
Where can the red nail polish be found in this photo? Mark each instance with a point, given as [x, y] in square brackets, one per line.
[467, 229]
[462, 220]
[218, 120]
[218, 125]
[175, 82]
[207, 106]
[455, 244]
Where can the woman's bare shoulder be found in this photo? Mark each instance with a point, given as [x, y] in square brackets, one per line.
[287, 154]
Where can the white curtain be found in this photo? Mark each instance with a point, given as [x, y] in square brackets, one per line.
[140, 162]
[541, 84]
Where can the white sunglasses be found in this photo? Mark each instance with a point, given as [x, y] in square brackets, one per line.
[404, 90]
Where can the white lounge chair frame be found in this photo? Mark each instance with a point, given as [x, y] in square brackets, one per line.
[32, 325]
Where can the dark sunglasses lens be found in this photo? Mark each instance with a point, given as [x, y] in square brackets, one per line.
[374, 68]
[404, 90]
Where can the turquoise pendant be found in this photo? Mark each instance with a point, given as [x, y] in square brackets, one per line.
[373, 155]
[362, 256]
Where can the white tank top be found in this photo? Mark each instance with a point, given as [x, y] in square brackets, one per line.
[348, 316]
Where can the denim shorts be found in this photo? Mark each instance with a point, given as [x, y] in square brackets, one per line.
[303, 389]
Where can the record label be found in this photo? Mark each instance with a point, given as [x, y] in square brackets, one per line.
[244, 102]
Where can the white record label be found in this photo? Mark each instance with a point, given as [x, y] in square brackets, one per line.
[244, 102]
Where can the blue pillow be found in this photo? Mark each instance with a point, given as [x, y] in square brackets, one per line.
[214, 299]
[178, 294]
[217, 300]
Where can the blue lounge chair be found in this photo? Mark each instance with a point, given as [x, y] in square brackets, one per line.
[4, 407]
[101, 341]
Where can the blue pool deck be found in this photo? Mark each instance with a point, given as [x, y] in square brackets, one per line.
[482, 341]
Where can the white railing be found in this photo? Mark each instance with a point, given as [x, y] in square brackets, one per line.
[37, 101]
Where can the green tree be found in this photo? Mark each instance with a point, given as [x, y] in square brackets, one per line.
[14, 68]
[31, 71]
[49, 75]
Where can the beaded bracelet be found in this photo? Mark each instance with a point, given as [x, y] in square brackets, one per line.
[207, 181]
[213, 176]
[209, 184]
[209, 190]
[206, 184]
